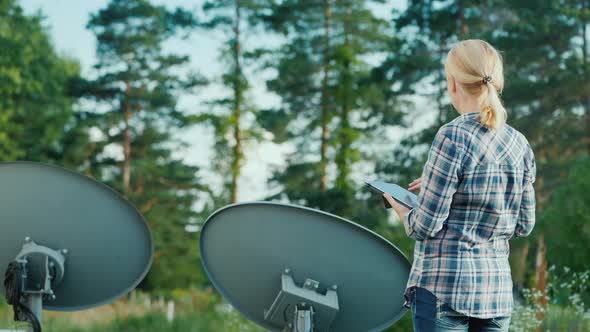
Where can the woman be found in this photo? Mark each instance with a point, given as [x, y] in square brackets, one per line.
[476, 193]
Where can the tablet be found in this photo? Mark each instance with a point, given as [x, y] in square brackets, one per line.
[401, 195]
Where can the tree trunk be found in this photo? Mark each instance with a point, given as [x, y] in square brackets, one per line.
[343, 162]
[325, 101]
[519, 269]
[86, 160]
[541, 275]
[462, 23]
[127, 142]
[140, 181]
[237, 150]
[541, 260]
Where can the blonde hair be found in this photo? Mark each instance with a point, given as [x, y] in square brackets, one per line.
[477, 67]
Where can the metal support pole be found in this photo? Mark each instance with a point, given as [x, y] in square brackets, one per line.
[35, 304]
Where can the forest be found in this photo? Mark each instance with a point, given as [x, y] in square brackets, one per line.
[358, 96]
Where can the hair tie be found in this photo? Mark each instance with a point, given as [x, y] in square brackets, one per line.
[487, 79]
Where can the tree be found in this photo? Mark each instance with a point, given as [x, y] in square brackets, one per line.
[136, 111]
[231, 116]
[331, 104]
[414, 77]
[425, 32]
[544, 46]
[35, 102]
[549, 83]
[566, 219]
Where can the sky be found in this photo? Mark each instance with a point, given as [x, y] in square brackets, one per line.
[66, 22]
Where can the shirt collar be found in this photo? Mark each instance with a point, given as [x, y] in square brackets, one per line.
[469, 115]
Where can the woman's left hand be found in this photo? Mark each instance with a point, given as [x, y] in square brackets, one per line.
[401, 210]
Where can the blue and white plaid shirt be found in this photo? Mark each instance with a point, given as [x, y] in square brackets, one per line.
[476, 193]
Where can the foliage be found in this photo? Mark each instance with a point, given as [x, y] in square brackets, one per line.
[414, 75]
[331, 103]
[231, 116]
[566, 217]
[195, 310]
[567, 311]
[545, 96]
[35, 100]
[135, 95]
[544, 46]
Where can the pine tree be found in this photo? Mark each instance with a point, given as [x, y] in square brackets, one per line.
[330, 103]
[549, 81]
[305, 83]
[229, 116]
[136, 112]
[543, 45]
[425, 32]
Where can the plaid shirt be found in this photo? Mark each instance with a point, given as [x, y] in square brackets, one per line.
[476, 193]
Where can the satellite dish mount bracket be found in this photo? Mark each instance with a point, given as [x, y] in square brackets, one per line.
[42, 268]
[302, 309]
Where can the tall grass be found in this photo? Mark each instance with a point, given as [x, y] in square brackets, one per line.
[195, 311]
[567, 305]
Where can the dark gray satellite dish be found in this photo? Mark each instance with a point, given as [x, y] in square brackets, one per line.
[76, 242]
[291, 268]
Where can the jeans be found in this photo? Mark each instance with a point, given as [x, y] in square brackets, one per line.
[432, 315]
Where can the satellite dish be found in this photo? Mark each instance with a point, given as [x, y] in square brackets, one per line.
[79, 243]
[291, 268]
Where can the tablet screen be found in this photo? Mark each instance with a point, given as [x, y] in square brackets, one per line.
[400, 194]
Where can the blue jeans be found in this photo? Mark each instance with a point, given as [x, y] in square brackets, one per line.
[432, 315]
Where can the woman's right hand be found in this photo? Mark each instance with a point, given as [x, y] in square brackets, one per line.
[415, 185]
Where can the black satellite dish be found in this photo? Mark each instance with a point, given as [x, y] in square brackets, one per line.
[75, 242]
[291, 268]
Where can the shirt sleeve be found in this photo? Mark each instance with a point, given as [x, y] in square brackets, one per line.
[440, 178]
[526, 216]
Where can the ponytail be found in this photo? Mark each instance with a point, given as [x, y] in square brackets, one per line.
[477, 68]
[493, 113]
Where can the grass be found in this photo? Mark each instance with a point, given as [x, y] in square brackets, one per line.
[195, 311]
[205, 311]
